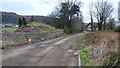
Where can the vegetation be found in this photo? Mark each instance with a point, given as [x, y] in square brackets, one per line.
[9, 29]
[81, 43]
[31, 20]
[102, 13]
[34, 24]
[117, 29]
[65, 13]
[85, 58]
[114, 59]
[102, 47]
[111, 24]
[9, 17]
[91, 15]
[22, 22]
[70, 10]
[41, 27]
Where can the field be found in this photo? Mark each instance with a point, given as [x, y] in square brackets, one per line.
[9, 29]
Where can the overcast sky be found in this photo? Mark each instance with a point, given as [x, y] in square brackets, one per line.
[45, 7]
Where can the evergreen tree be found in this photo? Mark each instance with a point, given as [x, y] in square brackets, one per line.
[24, 23]
[19, 22]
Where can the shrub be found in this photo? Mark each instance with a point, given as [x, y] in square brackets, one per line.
[117, 29]
[71, 30]
[114, 59]
[68, 30]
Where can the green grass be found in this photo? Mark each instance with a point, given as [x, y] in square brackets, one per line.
[41, 26]
[9, 29]
[85, 58]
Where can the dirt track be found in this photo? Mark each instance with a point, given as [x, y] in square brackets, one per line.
[57, 52]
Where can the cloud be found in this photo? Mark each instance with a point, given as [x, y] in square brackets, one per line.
[29, 8]
[19, 0]
[27, 0]
[44, 7]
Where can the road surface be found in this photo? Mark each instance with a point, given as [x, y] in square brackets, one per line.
[57, 52]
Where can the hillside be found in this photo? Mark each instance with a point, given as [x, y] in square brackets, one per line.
[12, 18]
[9, 17]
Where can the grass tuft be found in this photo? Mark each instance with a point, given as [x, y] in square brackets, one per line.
[85, 58]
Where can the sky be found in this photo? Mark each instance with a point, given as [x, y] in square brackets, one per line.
[45, 7]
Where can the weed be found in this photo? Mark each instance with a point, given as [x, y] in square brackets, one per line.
[85, 58]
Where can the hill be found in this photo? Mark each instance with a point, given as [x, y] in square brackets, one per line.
[12, 18]
[9, 17]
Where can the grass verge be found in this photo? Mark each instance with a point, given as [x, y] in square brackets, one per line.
[85, 58]
[81, 42]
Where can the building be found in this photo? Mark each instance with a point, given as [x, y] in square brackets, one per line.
[95, 26]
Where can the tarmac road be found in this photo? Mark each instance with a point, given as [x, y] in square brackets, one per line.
[57, 52]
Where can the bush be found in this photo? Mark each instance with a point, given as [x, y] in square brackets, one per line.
[117, 29]
[114, 59]
[72, 30]
[68, 30]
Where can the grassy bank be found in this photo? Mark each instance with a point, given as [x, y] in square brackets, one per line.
[98, 48]
[81, 43]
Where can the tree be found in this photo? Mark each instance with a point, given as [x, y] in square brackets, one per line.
[111, 24]
[68, 10]
[24, 23]
[20, 22]
[56, 21]
[91, 15]
[103, 11]
[65, 12]
[119, 11]
[31, 20]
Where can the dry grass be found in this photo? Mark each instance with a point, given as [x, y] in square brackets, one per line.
[101, 45]
[41, 26]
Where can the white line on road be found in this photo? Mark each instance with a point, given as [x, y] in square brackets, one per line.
[79, 61]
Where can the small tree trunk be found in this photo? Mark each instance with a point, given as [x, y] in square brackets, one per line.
[91, 23]
[99, 26]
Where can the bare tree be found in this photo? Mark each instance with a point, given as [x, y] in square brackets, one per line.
[103, 11]
[91, 15]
